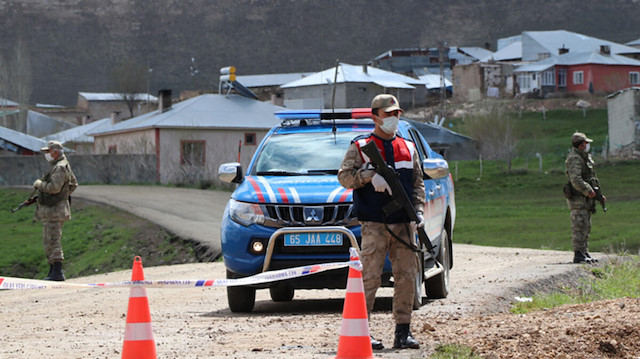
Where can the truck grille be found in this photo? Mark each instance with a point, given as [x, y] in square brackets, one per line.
[285, 215]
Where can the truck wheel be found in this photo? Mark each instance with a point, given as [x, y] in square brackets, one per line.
[417, 294]
[240, 299]
[438, 286]
[281, 293]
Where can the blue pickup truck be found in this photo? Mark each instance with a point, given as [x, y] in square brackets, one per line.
[289, 210]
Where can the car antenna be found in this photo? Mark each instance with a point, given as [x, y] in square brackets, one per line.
[333, 101]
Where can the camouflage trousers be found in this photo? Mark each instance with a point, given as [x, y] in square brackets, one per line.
[580, 229]
[51, 239]
[376, 242]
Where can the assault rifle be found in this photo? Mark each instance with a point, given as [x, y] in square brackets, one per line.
[595, 184]
[401, 199]
[29, 201]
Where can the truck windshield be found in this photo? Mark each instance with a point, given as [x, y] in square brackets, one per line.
[309, 153]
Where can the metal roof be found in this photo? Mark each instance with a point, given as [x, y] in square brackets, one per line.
[535, 42]
[476, 52]
[266, 80]
[79, 134]
[105, 96]
[20, 139]
[7, 103]
[205, 111]
[633, 43]
[513, 51]
[353, 73]
[432, 81]
[593, 57]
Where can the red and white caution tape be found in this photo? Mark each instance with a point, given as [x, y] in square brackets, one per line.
[266, 277]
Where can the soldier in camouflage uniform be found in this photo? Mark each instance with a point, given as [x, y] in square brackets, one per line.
[382, 233]
[581, 195]
[53, 208]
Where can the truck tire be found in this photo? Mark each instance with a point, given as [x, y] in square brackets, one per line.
[438, 286]
[240, 299]
[281, 293]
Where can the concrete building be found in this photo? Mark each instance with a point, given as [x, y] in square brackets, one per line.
[355, 86]
[98, 105]
[624, 123]
[192, 138]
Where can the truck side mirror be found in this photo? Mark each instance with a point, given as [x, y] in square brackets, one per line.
[435, 168]
[230, 172]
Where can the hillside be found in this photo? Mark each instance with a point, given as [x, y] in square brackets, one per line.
[74, 45]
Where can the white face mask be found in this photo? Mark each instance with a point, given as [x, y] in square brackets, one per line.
[48, 157]
[389, 124]
[587, 147]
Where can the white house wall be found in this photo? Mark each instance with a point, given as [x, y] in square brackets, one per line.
[138, 142]
[221, 146]
[622, 120]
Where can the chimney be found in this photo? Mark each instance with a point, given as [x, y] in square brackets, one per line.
[487, 46]
[115, 117]
[563, 50]
[164, 100]
[364, 68]
[605, 50]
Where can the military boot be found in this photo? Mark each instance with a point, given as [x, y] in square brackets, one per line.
[50, 271]
[56, 272]
[403, 338]
[376, 344]
[586, 254]
[581, 257]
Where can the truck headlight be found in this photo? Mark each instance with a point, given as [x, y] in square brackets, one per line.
[245, 213]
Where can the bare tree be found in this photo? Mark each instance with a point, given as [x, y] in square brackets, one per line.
[16, 81]
[128, 80]
[494, 128]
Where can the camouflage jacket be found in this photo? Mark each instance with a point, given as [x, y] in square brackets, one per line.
[59, 180]
[580, 170]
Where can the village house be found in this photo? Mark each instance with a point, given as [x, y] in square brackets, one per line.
[190, 139]
[355, 86]
[267, 86]
[623, 108]
[98, 105]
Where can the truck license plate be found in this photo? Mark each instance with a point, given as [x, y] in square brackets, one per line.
[313, 239]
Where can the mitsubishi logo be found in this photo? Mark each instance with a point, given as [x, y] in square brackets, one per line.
[313, 215]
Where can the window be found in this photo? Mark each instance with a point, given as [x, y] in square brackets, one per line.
[578, 77]
[562, 77]
[549, 78]
[112, 150]
[249, 138]
[524, 81]
[634, 78]
[192, 153]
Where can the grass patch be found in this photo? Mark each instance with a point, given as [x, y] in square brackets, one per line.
[454, 351]
[98, 239]
[617, 279]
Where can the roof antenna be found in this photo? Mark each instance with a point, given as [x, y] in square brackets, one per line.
[333, 101]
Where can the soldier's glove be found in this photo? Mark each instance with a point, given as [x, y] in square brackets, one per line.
[380, 184]
[420, 219]
[37, 184]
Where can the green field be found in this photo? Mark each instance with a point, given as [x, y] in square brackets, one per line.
[523, 208]
[97, 239]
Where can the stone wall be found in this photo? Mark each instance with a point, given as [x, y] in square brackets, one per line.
[102, 169]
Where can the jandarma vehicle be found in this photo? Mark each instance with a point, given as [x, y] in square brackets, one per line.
[289, 209]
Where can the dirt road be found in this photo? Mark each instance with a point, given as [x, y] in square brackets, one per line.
[196, 323]
[189, 213]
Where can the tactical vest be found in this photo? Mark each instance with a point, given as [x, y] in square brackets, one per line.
[367, 203]
[52, 199]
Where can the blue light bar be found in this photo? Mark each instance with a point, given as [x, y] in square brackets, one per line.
[298, 114]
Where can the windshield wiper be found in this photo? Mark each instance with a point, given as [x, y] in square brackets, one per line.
[279, 173]
[323, 172]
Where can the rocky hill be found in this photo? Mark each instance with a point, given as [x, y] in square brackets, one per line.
[75, 44]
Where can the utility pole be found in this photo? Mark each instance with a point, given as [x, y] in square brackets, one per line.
[442, 45]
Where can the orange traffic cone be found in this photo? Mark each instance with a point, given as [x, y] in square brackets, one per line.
[354, 342]
[138, 335]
